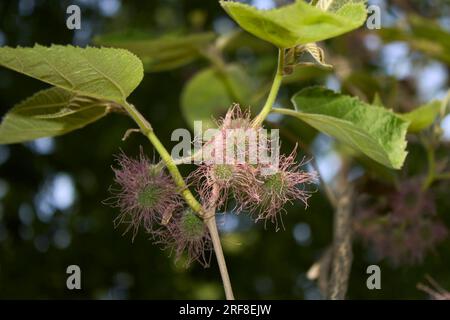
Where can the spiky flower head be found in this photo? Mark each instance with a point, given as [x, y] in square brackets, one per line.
[146, 194]
[258, 184]
[222, 147]
[225, 179]
[186, 233]
[236, 118]
[282, 184]
[400, 225]
[227, 167]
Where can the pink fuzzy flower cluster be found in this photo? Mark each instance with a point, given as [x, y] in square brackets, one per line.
[401, 226]
[186, 232]
[148, 197]
[259, 187]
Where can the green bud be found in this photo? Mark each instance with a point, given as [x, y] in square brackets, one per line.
[223, 172]
[192, 226]
[149, 196]
[274, 183]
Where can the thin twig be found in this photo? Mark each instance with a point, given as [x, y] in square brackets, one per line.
[129, 132]
[434, 289]
[320, 271]
[342, 258]
[212, 227]
[210, 221]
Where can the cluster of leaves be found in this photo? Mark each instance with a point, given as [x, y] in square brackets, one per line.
[88, 83]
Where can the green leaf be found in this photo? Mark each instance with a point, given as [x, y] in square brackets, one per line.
[374, 169]
[238, 38]
[210, 93]
[50, 112]
[335, 5]
[423, 35]
[160, 53]
[374, 131]
[297, 23]
[423, 117]
[103, 73]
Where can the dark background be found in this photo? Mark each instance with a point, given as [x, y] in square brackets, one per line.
[51, 190]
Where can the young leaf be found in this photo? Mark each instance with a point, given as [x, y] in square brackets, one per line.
[422, 117]
[335, 5]
[317, 53]
[374, 131]
[160, 54]
[297, 23]
[103, 73]
[210, 93]
[49, 112]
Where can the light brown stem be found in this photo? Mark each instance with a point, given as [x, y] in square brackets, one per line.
[212, 227]
[342, 256]
[210, 220]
